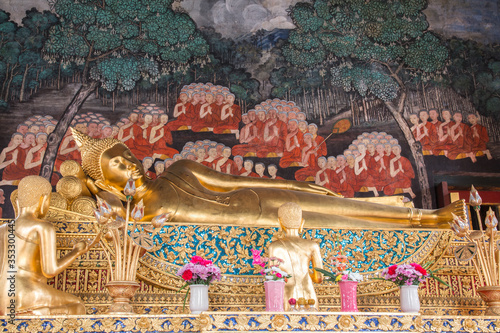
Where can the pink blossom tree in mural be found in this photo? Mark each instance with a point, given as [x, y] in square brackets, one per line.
[118, 42]
[374, 47]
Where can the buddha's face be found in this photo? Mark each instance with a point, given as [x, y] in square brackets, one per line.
[118, 164]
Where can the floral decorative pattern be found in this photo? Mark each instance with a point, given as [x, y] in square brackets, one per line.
[255, 322]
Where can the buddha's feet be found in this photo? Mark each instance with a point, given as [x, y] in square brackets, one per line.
[444, 215]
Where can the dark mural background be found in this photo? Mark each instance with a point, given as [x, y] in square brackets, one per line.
[366, 98]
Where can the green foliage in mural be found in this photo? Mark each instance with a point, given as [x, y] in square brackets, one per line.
[123, 41]
[118, 43]
[372, 48]
[20, 52]
[474, 72]
[366, 44]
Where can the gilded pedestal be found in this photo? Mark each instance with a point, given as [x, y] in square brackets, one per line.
[121, 292]
[491, 296]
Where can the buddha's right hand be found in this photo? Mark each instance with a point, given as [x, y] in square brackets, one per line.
[81, 247]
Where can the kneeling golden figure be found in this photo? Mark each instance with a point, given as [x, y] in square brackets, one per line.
[35, 257]
[194, 193]
[297, 253]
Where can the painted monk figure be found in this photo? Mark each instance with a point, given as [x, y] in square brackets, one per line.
[195, 193]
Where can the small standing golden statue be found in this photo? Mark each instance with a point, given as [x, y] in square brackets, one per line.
[297, 254]
[125, 248]
[483, 249]
[32, 259]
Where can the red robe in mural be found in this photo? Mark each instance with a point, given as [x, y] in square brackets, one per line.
[184, 119]
[341, 181]
[479, 138]
[292, 152]
[162, 145]
[378, 171]
[232, 122]
[402, 179]
[428, 136]
[37, 157]
[461, 141]
[142, 146]
[274, 143]
[203, 123]
[444, 138]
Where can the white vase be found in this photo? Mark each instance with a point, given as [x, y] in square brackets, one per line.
[198, 301]
[409, 301]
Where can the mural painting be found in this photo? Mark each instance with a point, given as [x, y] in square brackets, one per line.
[363, 98]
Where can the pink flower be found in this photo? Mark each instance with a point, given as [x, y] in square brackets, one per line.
[344, 277]
[256, 253]
[278, 275]
[206, 262]
[197, 260]
[262, 272]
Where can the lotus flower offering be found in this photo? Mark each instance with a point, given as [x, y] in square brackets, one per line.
[126, 241]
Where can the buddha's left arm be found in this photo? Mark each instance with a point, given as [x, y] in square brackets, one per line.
[317, 261]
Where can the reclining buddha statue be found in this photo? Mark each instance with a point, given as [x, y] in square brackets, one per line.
[196, 194]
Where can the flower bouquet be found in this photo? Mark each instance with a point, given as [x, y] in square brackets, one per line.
[275, 280]
[348, 280]
[408, 277]
[409, 274]
[198, 274]
[338, 264]
[269, 267]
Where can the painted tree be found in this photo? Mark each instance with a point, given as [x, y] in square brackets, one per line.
[372, 47]
[118, 42]
[474, 72]
[20, 51]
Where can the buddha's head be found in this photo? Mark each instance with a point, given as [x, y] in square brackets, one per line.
[34, 193]
[290, 216]
[109, 162]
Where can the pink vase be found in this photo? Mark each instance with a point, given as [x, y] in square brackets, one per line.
[348, 296]
[275, 291]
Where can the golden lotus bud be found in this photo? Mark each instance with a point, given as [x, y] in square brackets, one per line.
[100, 218]
[104, 208]
[491, 220]
[459, 226]
[474, 198]
[138, 211]
[160, 220]
[129, 189]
